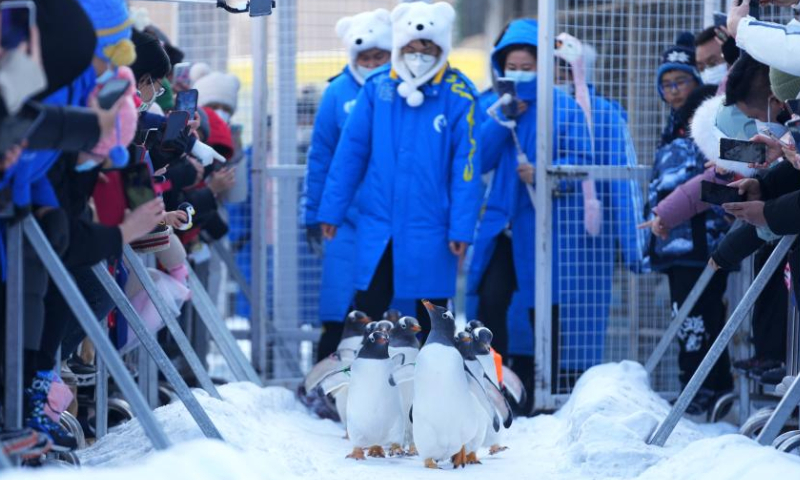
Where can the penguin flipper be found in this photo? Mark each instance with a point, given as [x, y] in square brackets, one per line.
[335, 380]
[322, 369]
[499, 401]
[513, 385]
[477, 390]
[398, 360]
[402, 374]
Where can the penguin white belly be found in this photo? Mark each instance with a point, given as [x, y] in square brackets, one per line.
[374, 414]
[443, 404]
[406, 389]
[483, 423]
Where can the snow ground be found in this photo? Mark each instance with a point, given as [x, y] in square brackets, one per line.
[598, 434]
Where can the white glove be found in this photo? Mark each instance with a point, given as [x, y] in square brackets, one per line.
[205, 154]
[783, 387]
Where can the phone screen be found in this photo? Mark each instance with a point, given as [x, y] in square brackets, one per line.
[187, 101]
[111, 92]
[17, 20]
[720, 19]
[716, 194]
[138, 185]
[742, 151]
[508, 86]
[180, 74]
[176, 122]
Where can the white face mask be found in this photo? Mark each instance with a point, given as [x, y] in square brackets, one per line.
[364, 71]
[20, 78]
[419, 63]
[520, 76]
[225, 116]
[565, 87]
[87, 165]
[714, 75]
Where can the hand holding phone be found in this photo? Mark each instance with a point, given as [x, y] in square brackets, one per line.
[18, 23]
[112, 91]
[717, 194]
[187, 101]
[508, 86]
[138, 185]
[742, 151]
[176, 123]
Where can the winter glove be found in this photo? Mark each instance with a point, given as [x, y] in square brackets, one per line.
[592, 209]
[314, 238]
[206, 154]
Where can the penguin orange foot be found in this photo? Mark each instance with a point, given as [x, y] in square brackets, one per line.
[396, 450]
[412, 451]
[376, 451]
[472, 459]
[431, 463]
[357, 454]
[460, 458]
[495, 449]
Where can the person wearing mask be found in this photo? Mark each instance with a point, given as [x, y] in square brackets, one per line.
[770, 43]
[410, 150]
[367, 38]
[503, 256]
[711, 61]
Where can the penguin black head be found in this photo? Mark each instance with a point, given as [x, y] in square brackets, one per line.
[482, 340]
[355, 324]
[384, 326]
[392, 315]
[443, 324]
[376, 346]
[405, 332]
[464, 344]
[472, 325]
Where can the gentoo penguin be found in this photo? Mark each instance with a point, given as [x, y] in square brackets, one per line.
[464, 343]
[445, 404]
[374, 414]
[392, 315]
[481, 348]
[404, 341]
[472, 325]
[508, 382]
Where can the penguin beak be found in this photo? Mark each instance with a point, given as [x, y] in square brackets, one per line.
[382, 340]
[416, 328]
[428, 306]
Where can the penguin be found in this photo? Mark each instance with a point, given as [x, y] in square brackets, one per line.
[482, 352]
[374, 411]
[507, 381]
[472, 325]
[404, 341]
[189, 210]
[445, 400]
[393, 315]
[464, 344]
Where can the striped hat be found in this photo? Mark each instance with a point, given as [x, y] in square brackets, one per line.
[113, 27]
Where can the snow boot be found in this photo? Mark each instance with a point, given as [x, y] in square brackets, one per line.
[36, 416]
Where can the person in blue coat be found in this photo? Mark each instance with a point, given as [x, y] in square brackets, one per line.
[503, 257]
[368, 39]
[411, 145]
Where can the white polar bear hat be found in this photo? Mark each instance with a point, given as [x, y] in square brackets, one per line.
[420, 21]
[365, 31]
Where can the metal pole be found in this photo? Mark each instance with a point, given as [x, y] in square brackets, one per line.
[154, 350]
[721, 343]
[680, 317]
[15, 316]
[242, 369]
[781, 414]
[101, 392]
[285, 275]
[543, 397]
[170, 321]
[258, 176]
[86, 318]
[225, 255]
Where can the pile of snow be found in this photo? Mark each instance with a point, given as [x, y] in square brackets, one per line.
[599, 434]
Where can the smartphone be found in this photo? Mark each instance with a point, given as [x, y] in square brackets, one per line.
[180, 74]
[18, 18]
[717, 194]
[260, 8]
[138, 185]
[176, 122]
[742, 151]
[187, 101]
[111, 92]
[507, 86]
[720, 19]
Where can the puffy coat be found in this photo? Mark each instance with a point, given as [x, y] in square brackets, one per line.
[417, 168]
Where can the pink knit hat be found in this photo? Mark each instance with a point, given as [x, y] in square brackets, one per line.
[115, 144]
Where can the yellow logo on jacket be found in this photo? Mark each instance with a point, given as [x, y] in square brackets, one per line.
[460, 89]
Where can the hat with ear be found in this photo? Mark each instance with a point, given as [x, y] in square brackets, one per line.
[420, 21]
[365, 31]
[113, 26]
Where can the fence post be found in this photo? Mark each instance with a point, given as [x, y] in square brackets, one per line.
[101, 391]
[781, 414]
[15, 317]
[154, 350]
[258, 208]
[285, 209]
[544, 340]
[721, 343]
[86, 318]
[171, 321]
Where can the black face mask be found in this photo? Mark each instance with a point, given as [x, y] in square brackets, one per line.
[783, 117]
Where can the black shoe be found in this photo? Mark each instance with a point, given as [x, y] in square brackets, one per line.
[773, 376]
[702, 402]
[756, 366]
[85, 374]
[37, 419]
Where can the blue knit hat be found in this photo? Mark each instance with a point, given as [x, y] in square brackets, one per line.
[678, 57]
[113, 26]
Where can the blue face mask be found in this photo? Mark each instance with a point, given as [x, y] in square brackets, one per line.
[106, 76]
[520, 76]
[87, 165]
